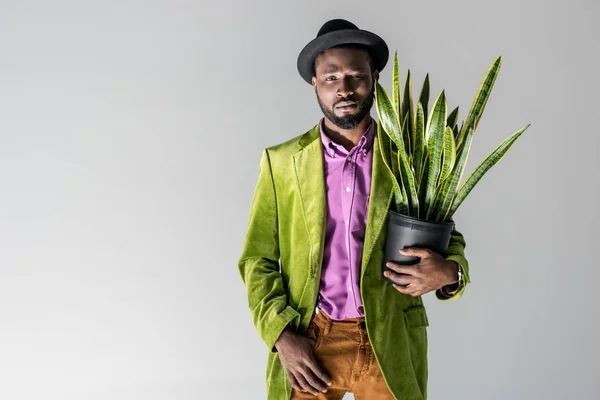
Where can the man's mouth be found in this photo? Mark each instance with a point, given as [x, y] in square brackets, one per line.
[346, 105]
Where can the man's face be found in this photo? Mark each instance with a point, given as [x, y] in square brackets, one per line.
[344, 85]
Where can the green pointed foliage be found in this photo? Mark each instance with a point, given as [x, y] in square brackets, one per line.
[408, 114]
[396, 88]
[481, 98]
[425, 152]
[406, 137]
[449, 156]
[408, 189]
[424, 97]
[389, 121]
[453, 118]
[435, 143]
[455, 133]
[400, 200]
[410, 186]
[423, 189]
[388, 116]
[386, 149]
[484, 167]
[447, 191]
[419, 149]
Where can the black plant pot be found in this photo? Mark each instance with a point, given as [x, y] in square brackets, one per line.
[404, 231]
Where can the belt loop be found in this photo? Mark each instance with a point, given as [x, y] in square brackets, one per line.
[328, 323]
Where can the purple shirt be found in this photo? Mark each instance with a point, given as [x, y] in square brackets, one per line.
[348, 186]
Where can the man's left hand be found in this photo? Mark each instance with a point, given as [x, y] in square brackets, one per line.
[432, 272]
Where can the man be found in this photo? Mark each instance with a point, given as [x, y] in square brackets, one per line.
[313, 254]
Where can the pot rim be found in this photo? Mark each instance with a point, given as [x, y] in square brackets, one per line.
[422, 222]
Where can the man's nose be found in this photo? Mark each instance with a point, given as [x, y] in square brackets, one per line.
[345, 88]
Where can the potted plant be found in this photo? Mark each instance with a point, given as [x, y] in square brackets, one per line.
[426, 153]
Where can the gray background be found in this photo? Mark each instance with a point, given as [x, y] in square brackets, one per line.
[130, 138]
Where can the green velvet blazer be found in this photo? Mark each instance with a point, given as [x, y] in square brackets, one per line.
[281, 259]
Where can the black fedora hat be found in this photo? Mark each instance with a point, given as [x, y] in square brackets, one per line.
[339, 32]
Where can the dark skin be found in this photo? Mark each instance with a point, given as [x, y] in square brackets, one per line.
[431, 273]
[344, 76]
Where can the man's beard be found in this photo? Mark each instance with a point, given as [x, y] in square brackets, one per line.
[350, 121]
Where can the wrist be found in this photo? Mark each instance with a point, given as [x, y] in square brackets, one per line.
[285, 334]
[454, 274]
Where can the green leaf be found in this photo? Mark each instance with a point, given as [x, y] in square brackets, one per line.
[388, 117]
[483, 167]
[408, 115]
[409, 184]
[396, 88]
[423, 187]
[449, 155]
[419, 152]
[447, 191]
[385, 150]
[389, 122]
[395, 166]
[435, 145]
[406, 137]
[405, 193]
[424, 97]
[453, 118]
[483, 93]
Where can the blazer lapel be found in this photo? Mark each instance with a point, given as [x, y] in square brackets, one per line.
[309, 171]
[310, 178]
[379, 202]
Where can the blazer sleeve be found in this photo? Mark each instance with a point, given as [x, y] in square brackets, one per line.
[456, 252]
[259, 262]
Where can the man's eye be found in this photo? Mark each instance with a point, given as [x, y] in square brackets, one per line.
[330, 78]
[357, 76]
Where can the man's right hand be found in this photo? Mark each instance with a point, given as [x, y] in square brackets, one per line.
[301, 367]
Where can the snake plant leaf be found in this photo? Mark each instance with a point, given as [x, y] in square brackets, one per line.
[388, 116]
[409, 184]
[453, 118]
[447, 190]
[449, 155]
[396, 88]
[423, 187]
[424, 97]
[385, 144]
[419, 147]
[389, 121]
[435, 145]
[480, 100]
[408, 114]
[425, 152]
[399, 199]
[491, 160]
[395, 165]
[406, 136]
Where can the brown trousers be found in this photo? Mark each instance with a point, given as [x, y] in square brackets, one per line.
[344, 352]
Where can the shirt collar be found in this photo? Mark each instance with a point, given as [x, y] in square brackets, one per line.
[365, 144]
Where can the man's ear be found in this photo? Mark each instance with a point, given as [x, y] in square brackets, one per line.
[314, 81]
[375, 75]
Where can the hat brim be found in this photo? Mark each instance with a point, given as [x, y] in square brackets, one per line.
[377, 48]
